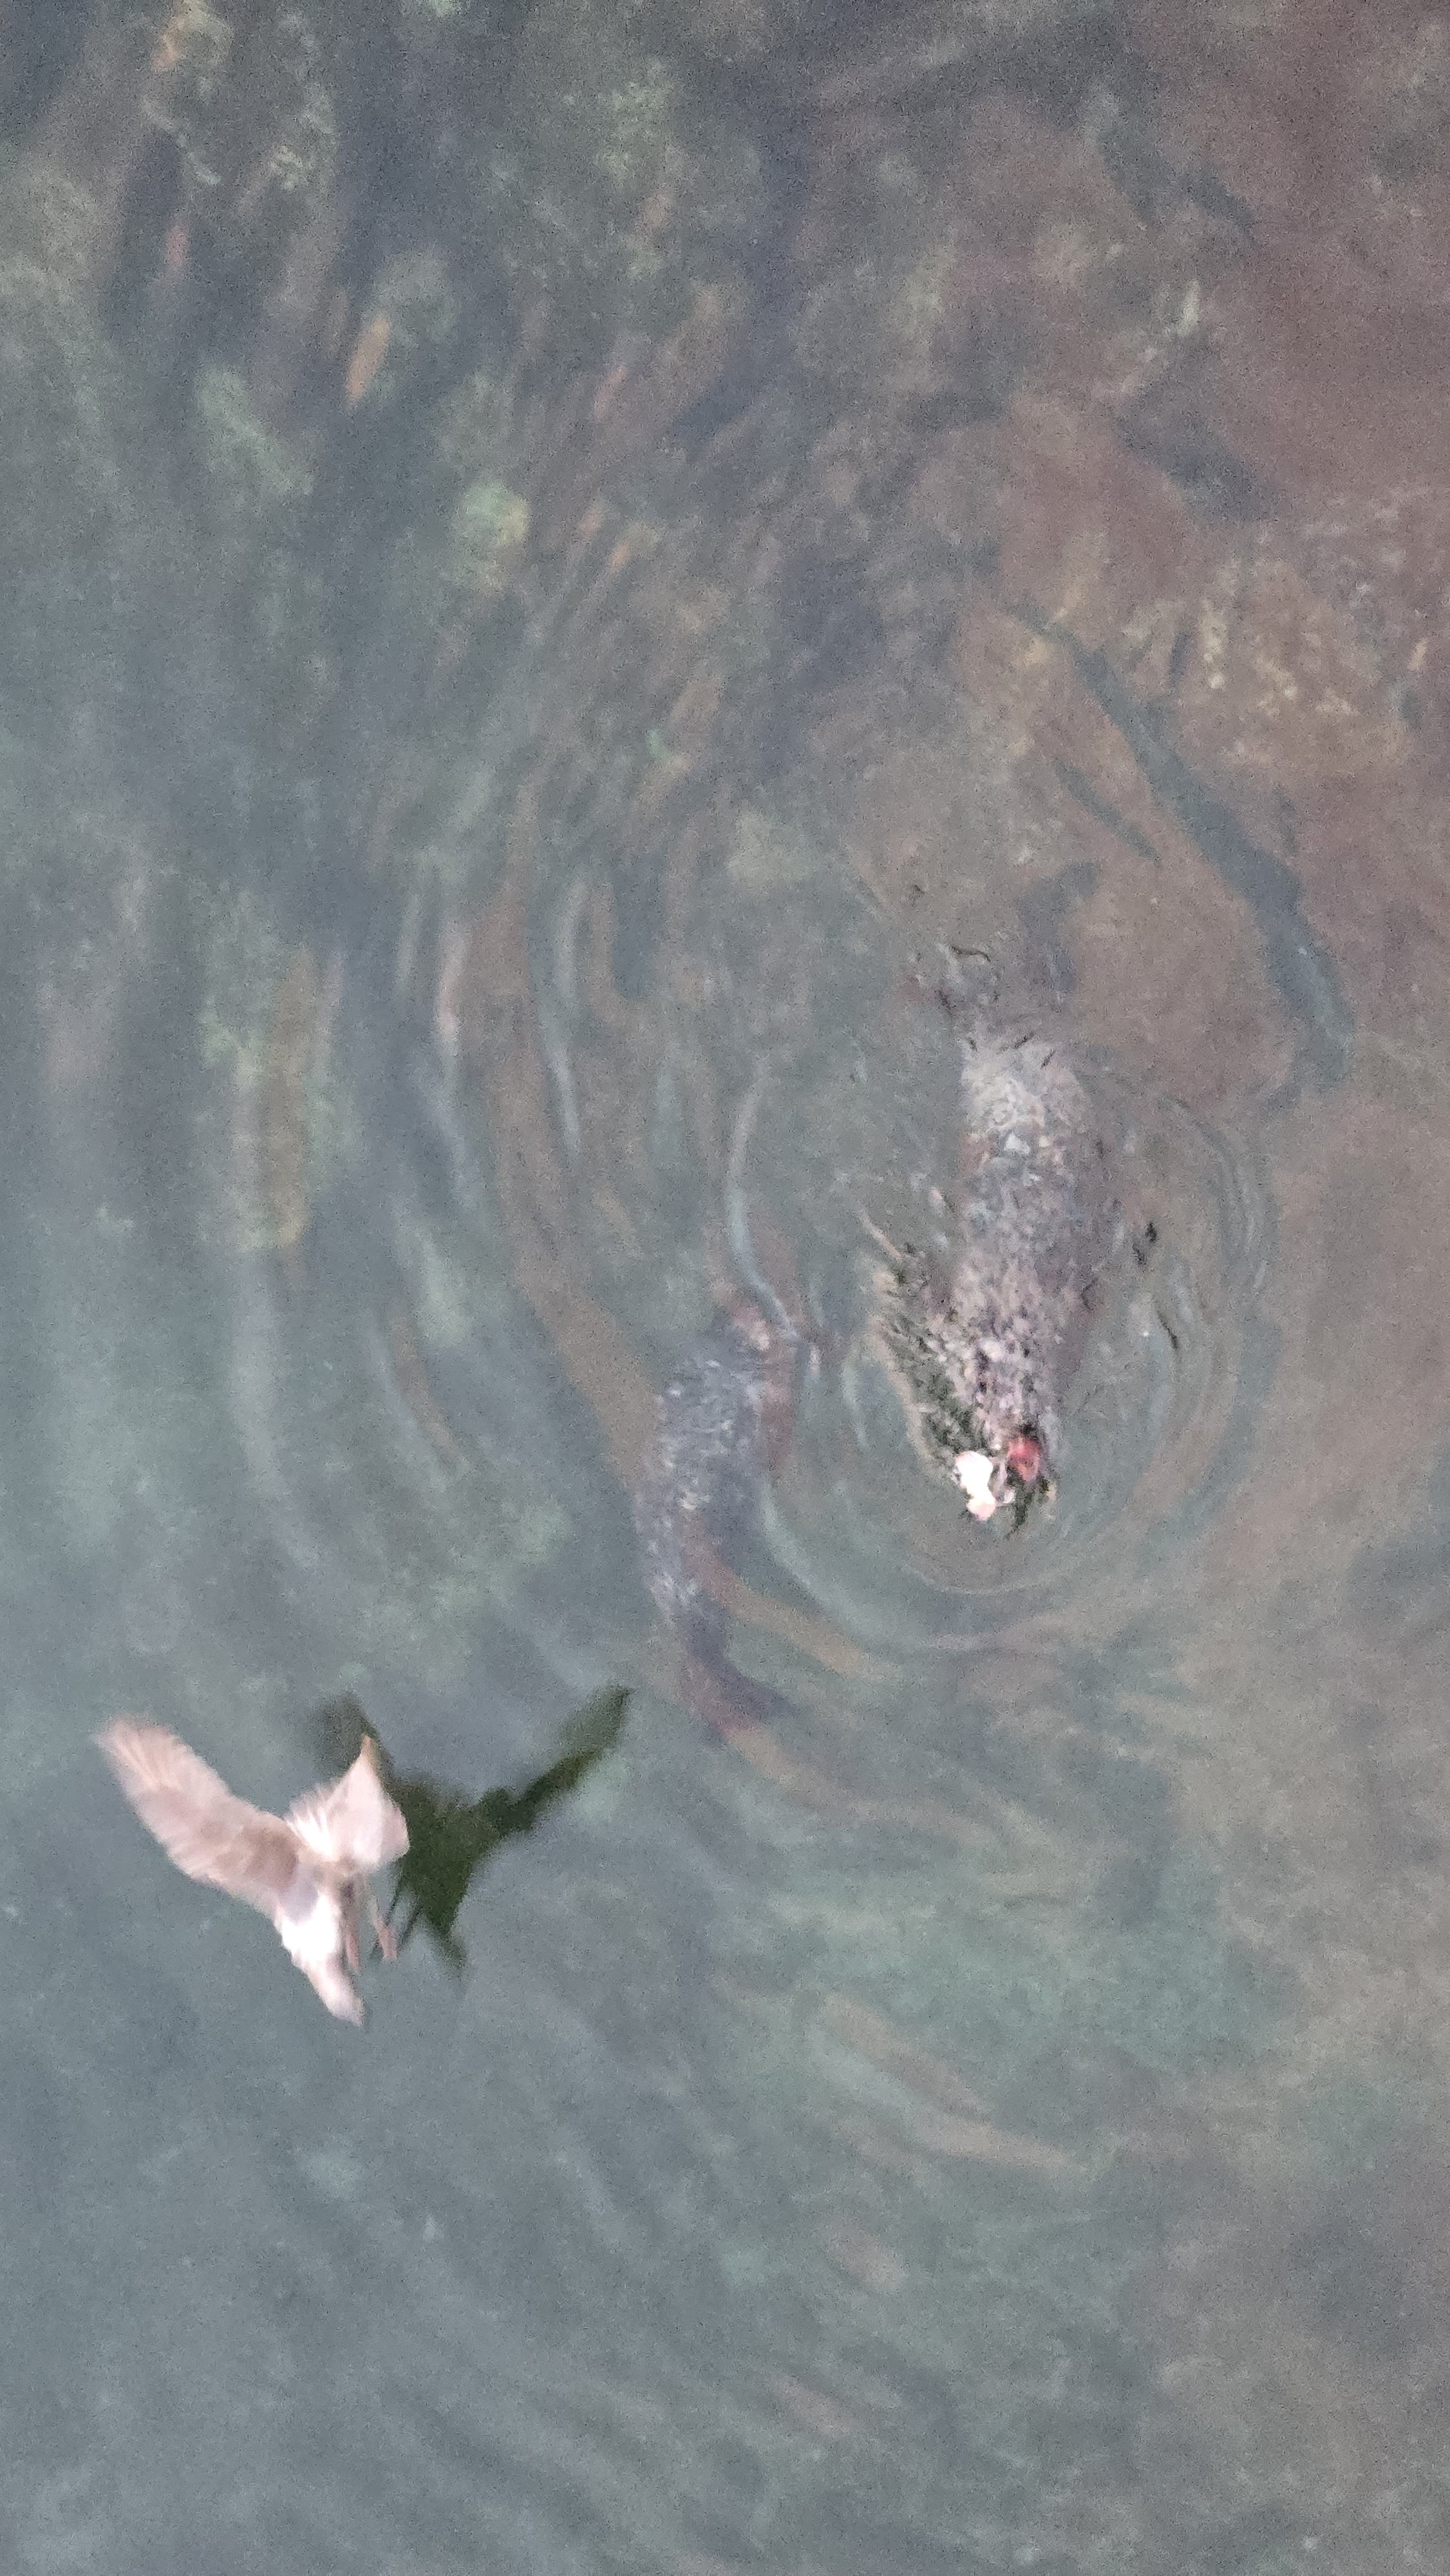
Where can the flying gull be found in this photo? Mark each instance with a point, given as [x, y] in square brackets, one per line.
[306, 1871]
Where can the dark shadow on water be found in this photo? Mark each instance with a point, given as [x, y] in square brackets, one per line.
[451, 1836]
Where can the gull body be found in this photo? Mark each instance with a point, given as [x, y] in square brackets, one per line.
[307, 1871]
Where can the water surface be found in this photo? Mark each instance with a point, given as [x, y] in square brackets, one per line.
[564, 570]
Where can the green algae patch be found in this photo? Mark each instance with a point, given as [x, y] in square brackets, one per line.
[252, 119]
[487, 535]
[619, 193]
[253, 480]
[251, 491]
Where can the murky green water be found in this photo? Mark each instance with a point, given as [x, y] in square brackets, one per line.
[491, 796]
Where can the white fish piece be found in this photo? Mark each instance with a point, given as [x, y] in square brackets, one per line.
[306, 1871]
[973, 1471]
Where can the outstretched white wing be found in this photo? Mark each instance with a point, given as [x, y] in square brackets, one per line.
[209, 1832]
[294, 1869]
[351, 1824]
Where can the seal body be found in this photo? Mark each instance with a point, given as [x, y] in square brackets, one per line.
[722, 1424]
[987, 1343]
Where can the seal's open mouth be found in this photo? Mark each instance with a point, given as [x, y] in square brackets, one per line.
[990, 1483]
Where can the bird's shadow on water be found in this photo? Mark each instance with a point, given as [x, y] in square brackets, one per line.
[450, 1835]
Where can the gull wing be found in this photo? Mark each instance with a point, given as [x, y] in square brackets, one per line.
[211, 1834]
[351, 1824]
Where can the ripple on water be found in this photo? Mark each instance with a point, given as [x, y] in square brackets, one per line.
[407, 1435]
[1150, 1438]
[504, 1176]
[769, 1118]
